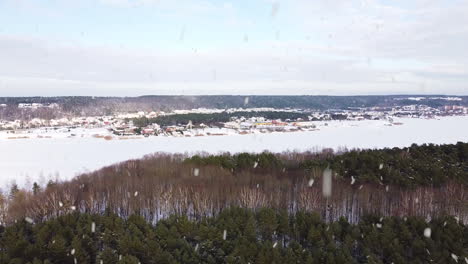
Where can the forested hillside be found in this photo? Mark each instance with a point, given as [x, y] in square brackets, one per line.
[405, 205]
[427, 181]
[234, 236]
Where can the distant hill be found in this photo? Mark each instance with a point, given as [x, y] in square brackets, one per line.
[108, 105]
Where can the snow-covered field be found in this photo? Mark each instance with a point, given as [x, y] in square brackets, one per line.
[61, 155]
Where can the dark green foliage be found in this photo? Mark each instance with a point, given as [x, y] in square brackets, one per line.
[14, 190]
[265, 236]
[263, 160]
[36, 188]
[426, 164]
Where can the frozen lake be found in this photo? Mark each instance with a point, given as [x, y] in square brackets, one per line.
[38, 159]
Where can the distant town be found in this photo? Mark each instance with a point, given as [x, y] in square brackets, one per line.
[197, 122]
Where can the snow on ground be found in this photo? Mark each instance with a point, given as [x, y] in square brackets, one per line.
[65, 156]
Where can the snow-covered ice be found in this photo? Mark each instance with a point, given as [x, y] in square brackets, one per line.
[38, 159]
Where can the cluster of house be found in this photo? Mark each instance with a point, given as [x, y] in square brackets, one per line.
[420, 98]
[120, 124]
[233, 110]
[455, 109]
[33, 106]
[86, 122]
[427, 111]
[415, 110]
[270, 125]
[128, 128]
[37, 106]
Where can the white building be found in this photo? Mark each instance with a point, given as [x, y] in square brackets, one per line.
[232, 125]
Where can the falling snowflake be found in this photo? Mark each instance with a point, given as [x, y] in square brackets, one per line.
[274, 9]
[311, 182]
[455, 257]
[224, 234]
[378, 225]
[73, 208]
[196, 172]
[72, 251]
[135, 194]
[387, 188]
[182, 34]
[255, 165]
[246, 101]
[215, 75]
[29, 220]
[93, 227]
[352, 180]
[381, 166]
[60, 204]
[427, 232]
[275, 244]
[196, 247]
[327, 183]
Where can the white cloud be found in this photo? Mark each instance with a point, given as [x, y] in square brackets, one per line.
[326, 47]
[31, 66]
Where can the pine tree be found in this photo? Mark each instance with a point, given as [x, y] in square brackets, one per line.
[108, 256]
[129, 259]
[36, 188]
[13, 190]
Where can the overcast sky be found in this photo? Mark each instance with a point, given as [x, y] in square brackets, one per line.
[139, 47]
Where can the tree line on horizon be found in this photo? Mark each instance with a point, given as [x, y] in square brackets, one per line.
[98, 106]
